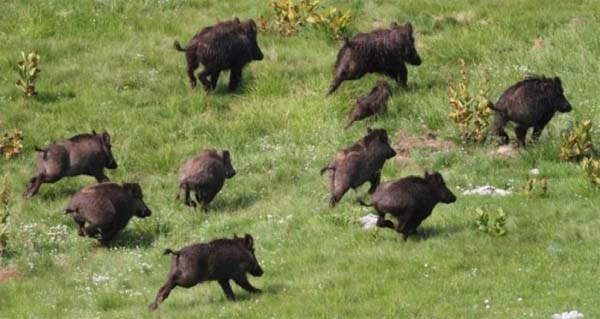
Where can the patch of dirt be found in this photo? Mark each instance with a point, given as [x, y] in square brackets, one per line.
[538, 43]
[505, 151]
[9, 273]
[576, 21]
[429, 141]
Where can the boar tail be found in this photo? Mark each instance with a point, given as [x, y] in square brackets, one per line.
[491, 105]
[169, 251]
[365, 204]
[178, 46]
[43, 151]
[348, 124]
[69, 210]
[326, 168]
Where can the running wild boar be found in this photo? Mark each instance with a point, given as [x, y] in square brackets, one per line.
[205, 174]
[382, 51]
[84, 154]
[374, 103]
[220, 260]
[226, 45]
[529, 103]
[106, 208]
[410, 200]
[358, 164]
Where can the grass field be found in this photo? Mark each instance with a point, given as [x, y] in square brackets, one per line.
[111, 65]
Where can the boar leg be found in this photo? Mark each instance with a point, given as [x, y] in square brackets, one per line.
[101, 178]
[521, 131]
[401, 75]
[34, 187]
[206, 197]
[107, 235]
[374, 182]
[537, 132]
[192, 66]
[203, 77]
[234, 78]
[227, 289]
[163, 293]
[188, 200]
[383, 223]
[214, 78]
[80, 224]
[499, 123]
[243, 282]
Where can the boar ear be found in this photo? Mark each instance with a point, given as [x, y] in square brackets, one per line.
[408, 28]
[557, 81]
[427, 174]
[94, 132]
[393, 25]
[369, 130]
[133, 189]
[236, 19]
[226, 155]
[106, 138]
[249, 241]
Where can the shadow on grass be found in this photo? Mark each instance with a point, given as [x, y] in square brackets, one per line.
[132, 239]
[237, 203]
[50, 97]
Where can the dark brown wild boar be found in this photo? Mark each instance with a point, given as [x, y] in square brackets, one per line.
[358, 164]
[221, 260]
[410, 200]
[106, 208]
[205, 174]
[382, 51]
[84, 154]
[374, 103]
[226, 45]
[529, 103]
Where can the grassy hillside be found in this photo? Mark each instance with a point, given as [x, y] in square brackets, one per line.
[111, 65]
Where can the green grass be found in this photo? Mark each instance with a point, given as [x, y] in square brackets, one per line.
[111, 65]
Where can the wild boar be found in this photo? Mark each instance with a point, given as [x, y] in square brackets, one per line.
[84, 154]
[226, 45]
[410, 200]
[106, 208]
[205, 174]
[220, 260]
[374, 103]
[358, 164]
[382, 51]
[529, 103]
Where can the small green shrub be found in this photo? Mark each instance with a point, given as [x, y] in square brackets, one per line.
[470, 111]
[535, 184]
[577, 144]
[4, 215]
[491, 225]
[28, 71]
[289, 17]
[591, 169]
[11, 143]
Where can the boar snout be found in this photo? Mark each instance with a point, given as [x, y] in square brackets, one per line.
[111, 163]
[258, 55]
[565, 106]
[231, 173]
[143, 211]
[256, 271]
[413, 58]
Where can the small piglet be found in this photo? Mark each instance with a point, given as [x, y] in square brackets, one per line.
[220, 260]
[382, 51]
[84, 154]
[205, 174]
[106, 208]
[529, 103]
[226, 45]
[374, 103]
[358, 164]
[410, 200]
